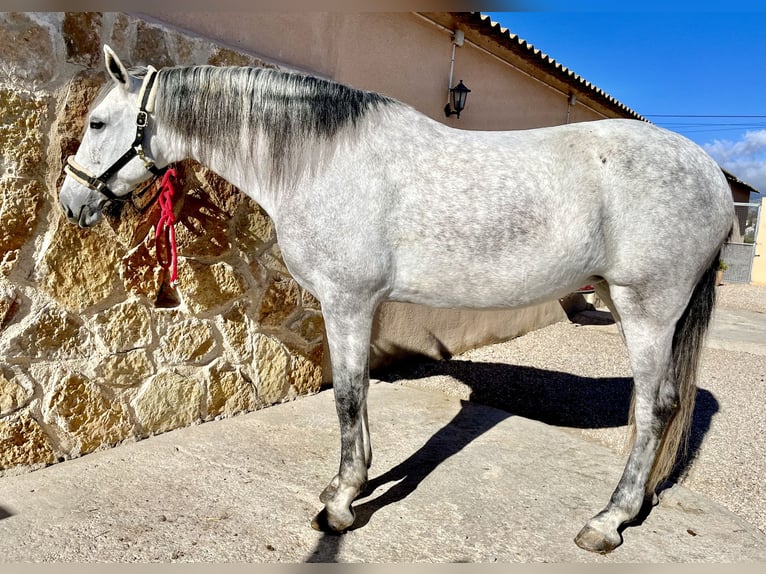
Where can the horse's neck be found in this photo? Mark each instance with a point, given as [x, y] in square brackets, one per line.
[238, 168]
[272, 157]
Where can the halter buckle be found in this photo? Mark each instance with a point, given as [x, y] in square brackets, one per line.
[142, 119]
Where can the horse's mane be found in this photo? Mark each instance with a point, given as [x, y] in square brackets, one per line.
[228, 105]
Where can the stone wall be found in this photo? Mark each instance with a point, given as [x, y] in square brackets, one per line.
[95, 346]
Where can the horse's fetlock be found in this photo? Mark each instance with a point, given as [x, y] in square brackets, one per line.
[331, 490]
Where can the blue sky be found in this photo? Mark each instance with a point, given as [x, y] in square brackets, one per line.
[670, 63]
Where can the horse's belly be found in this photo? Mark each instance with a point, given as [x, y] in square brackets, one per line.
[480, 282]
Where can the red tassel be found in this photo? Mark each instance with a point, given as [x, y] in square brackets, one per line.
[166, 226]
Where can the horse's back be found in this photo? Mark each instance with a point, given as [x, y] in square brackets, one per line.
[416, 211]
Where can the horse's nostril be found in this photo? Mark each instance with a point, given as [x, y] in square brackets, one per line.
[67, 210]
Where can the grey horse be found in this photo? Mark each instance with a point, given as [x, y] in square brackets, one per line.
[369, 206]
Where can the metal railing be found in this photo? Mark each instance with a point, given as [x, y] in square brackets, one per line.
[739, 251]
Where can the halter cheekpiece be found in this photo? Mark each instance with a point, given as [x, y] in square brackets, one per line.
[99, 183]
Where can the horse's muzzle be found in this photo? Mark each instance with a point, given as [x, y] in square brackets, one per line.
[85, 217]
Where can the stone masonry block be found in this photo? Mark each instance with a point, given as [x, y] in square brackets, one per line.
[167, 401]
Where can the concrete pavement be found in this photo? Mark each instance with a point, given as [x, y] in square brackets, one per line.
[738, 330]
[451, 481]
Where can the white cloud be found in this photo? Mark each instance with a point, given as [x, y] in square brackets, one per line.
[745, 158]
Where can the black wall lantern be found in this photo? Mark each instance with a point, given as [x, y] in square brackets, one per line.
[458, 96]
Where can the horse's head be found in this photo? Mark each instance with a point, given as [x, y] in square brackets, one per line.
[113, 158]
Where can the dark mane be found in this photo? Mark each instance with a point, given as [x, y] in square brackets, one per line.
[215, 104]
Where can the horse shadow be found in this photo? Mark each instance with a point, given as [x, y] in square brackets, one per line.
[551, 397]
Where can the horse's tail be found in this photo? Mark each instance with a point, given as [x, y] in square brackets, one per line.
[687, 345]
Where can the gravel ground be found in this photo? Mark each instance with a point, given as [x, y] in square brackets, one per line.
[577, 377]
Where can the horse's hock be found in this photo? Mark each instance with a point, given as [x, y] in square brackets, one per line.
[95, 346]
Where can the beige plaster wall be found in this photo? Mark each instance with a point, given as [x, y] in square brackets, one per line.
[758, 273]
[401, 54]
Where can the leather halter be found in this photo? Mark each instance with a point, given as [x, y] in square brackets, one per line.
[99, 183]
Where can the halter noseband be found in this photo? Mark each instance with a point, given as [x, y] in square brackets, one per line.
[99, 183]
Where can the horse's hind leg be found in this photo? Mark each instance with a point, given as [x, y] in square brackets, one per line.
[649, 339]
[348, 337]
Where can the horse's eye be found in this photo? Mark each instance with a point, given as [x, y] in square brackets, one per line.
[96, 125]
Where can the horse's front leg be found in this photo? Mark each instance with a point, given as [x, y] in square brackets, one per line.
[348, 337]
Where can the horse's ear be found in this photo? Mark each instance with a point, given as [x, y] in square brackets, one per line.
[115, 67]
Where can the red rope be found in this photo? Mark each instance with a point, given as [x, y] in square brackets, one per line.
[166, 226]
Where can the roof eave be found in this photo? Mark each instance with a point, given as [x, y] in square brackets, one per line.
[733, 178]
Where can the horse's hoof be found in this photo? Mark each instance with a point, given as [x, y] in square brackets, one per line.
[323, 522]
[592, 540]
[320, 522]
